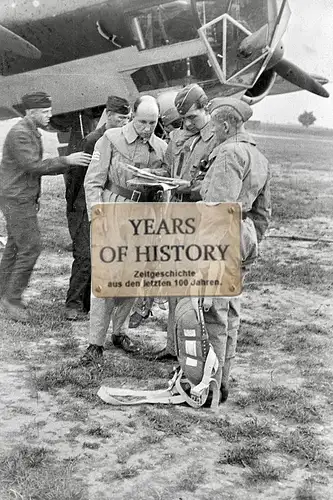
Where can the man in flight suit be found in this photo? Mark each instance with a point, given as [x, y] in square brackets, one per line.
[78, 295]
[238, 172]
[142, 308]
[106, 181]
[20, 187]
[186, 157]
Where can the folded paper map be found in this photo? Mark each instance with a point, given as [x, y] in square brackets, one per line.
[152, 179]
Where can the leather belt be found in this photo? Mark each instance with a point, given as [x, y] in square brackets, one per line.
[128, 193]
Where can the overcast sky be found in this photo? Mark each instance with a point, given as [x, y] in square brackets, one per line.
[309, 44]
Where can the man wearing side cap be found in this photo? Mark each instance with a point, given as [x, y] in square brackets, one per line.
[21, 170]
[186, 157]
[189, 149]
[237, 172]
[171, 121]
[78, 295]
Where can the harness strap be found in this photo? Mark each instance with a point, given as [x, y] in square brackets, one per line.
[210, 368]
[127, 397]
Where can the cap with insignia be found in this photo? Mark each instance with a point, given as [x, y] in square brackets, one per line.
[169, 116]
[241, 107]
[117, 104]
[36, 100]
[188, 96]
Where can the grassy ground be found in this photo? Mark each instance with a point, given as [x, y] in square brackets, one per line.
[272, 439]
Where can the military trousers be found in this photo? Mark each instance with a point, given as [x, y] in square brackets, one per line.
[102, 311]
[78, 294]
[222, 323]
[22, 249]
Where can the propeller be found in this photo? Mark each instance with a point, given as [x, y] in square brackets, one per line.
[295, 75]
[253, 43]
[14, 43]
[286, 69]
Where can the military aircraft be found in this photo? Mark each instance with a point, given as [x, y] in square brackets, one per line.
[82, 50]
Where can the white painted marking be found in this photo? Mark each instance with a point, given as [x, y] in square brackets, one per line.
[189, 333]
[191, 362]
[191, 347]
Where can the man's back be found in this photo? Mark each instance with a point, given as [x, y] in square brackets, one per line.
[240, 172]
[22, 140]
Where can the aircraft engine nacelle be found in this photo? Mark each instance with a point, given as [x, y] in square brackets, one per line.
[261, 89]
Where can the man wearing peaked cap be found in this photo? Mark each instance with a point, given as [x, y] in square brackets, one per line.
[21, 170]
[118, 113]
[237, 172]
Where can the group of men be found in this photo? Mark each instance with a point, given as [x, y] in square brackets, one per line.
[207, 145]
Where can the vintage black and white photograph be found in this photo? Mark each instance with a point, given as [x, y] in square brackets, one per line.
[166, 242]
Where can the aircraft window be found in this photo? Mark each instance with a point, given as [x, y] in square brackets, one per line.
[175, 74]
[251, 13]
[163, 24]
[240, 42]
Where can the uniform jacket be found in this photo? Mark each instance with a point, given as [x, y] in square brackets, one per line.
[75, 176]
[117, 148]
[22, 165]
[238, 172]
[187, 153]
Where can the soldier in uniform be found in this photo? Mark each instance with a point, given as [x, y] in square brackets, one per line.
[78, 295]
[142, 308]
[106, 181]
[186, 157]
[171, 121]
[238, 172]
[20, 172]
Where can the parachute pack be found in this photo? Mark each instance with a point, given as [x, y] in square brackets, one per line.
[193, 380]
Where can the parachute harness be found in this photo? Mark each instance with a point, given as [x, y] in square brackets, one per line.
[193, 379]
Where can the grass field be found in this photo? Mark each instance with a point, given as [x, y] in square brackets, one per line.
[273, 439]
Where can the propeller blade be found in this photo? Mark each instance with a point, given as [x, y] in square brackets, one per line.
[253, 43]
[14, 43]
[293, 74]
